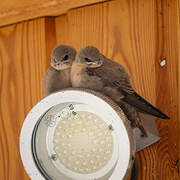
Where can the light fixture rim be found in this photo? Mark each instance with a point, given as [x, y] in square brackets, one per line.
[33, 116]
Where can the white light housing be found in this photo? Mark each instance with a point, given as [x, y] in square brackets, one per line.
[76, 134]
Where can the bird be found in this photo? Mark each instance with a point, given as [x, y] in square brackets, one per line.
[57, 75]
[93, 70]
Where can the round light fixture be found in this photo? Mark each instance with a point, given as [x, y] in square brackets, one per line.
[76, 134]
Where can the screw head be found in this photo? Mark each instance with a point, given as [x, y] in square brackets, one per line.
[54, 157]
[110, 127]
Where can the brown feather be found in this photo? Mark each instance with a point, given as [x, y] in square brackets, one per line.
[57, 76]
[111, 79]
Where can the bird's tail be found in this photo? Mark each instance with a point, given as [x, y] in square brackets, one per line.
[133, 117]
[143, 106]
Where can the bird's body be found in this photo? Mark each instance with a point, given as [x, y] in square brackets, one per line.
[57, 76]
[94, 71]
[85, 77]
[55, 80]
[81, 78]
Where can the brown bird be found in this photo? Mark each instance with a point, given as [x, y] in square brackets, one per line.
[58, 74]
[93, 70]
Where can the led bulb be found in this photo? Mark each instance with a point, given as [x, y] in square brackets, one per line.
[83, 137]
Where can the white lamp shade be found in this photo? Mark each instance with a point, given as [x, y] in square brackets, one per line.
[76, 134]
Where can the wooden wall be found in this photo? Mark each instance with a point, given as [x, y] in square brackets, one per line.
[137, 34]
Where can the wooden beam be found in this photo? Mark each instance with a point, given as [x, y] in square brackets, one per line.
[24, 57]
[17, 11]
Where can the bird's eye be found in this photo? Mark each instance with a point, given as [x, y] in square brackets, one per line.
[66, 57]
[88, 60]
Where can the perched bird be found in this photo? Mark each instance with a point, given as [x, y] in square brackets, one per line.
[58, 74]
[93, 70]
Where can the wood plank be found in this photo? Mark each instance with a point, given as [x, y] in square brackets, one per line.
[62, 30]
[50, 38]
[167, 86]
[138, 34]
[178, 78]
[17, 11]
[23, 61]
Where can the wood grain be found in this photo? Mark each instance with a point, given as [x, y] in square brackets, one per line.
[178, 36]
[138, 34]
[21, 10]
[167, 86]
[50, 38]
[22, 64]
[62, 30]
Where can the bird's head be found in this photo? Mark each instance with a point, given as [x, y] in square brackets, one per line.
[89, 57]
[62, 57]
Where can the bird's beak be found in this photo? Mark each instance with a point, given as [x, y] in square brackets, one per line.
[99, 62]
[95, 63]
[66, 62]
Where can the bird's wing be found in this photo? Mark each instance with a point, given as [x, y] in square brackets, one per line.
[115, 75]
[142, 105]
[47, 76]
[117, 78]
